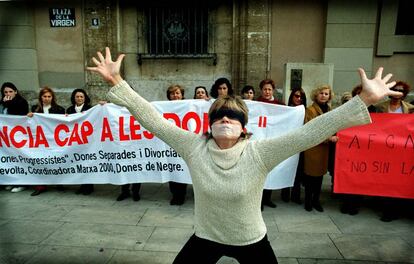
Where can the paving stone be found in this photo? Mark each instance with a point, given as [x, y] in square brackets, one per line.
[42, 211]
[371, 225]
[100, 235]
[142, 257]
[14, 253]
[373, 247]
[169, 217]
[319, 223]
[168, 239]
[105, 215]
[70, 255]
[55, 227]
[303, 245]
[336, 261]
[27, 231]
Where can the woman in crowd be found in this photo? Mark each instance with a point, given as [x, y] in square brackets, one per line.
[178, 190]
[80, 103]
[248, 92]
[350, 202]
[126, 190]
[200, 92]
[46, 105]
[267, 88]
[12, 103]
[297, 97]
[221, 87]
[395, 105]
[316, 158]
[227, 185]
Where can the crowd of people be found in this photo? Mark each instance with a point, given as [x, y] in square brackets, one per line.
[313, 163]
[228, 187]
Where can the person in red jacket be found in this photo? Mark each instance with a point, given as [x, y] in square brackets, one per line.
[267, 88]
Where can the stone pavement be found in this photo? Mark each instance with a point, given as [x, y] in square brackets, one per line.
[62, 227]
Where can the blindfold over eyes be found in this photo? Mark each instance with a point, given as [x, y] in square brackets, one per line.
[231, 114]
[397, 89]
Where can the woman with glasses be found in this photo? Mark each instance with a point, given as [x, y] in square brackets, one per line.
[296, 98]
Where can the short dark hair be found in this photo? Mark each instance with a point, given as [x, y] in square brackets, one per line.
[8, 84]
[12, 86]
[79, 90]
[217, 83]
[302, 96]
[197, 87]
[405, 86]
[247, 88]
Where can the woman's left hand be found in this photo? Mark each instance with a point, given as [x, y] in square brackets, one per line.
[375, 89]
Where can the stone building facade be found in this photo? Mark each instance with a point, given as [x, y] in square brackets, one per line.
[248, 41]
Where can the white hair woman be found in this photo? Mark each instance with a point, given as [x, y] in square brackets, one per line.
[227, 185]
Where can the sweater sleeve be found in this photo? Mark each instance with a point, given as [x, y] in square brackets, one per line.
[179, 139]
[275, 150]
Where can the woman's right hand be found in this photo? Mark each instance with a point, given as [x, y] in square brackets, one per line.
[108, 69]
[30, 114]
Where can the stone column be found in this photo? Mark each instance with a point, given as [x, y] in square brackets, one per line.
[101, 30]
[251, 37]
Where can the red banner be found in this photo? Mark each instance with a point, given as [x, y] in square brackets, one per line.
[377, 159]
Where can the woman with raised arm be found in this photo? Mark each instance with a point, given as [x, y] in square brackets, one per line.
[227, 185]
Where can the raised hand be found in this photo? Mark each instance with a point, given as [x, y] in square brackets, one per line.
[373, 90]
[108, 69]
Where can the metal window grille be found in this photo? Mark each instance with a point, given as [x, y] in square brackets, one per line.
[176, 32]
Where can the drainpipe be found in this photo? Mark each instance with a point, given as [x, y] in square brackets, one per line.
[269, 42]
[118, 27]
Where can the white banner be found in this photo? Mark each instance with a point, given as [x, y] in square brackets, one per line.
[107, 145]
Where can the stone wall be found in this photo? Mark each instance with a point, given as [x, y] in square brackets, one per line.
[97, 38]
[253, 40]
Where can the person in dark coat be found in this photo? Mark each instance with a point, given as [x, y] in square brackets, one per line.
[297, 97]
[12, 103]
[392, 207]
[46, 105]
[80, 103]
[177, 189]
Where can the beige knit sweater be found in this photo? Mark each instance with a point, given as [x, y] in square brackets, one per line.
[228, 183]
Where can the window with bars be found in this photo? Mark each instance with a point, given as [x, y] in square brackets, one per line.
[176, 32]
